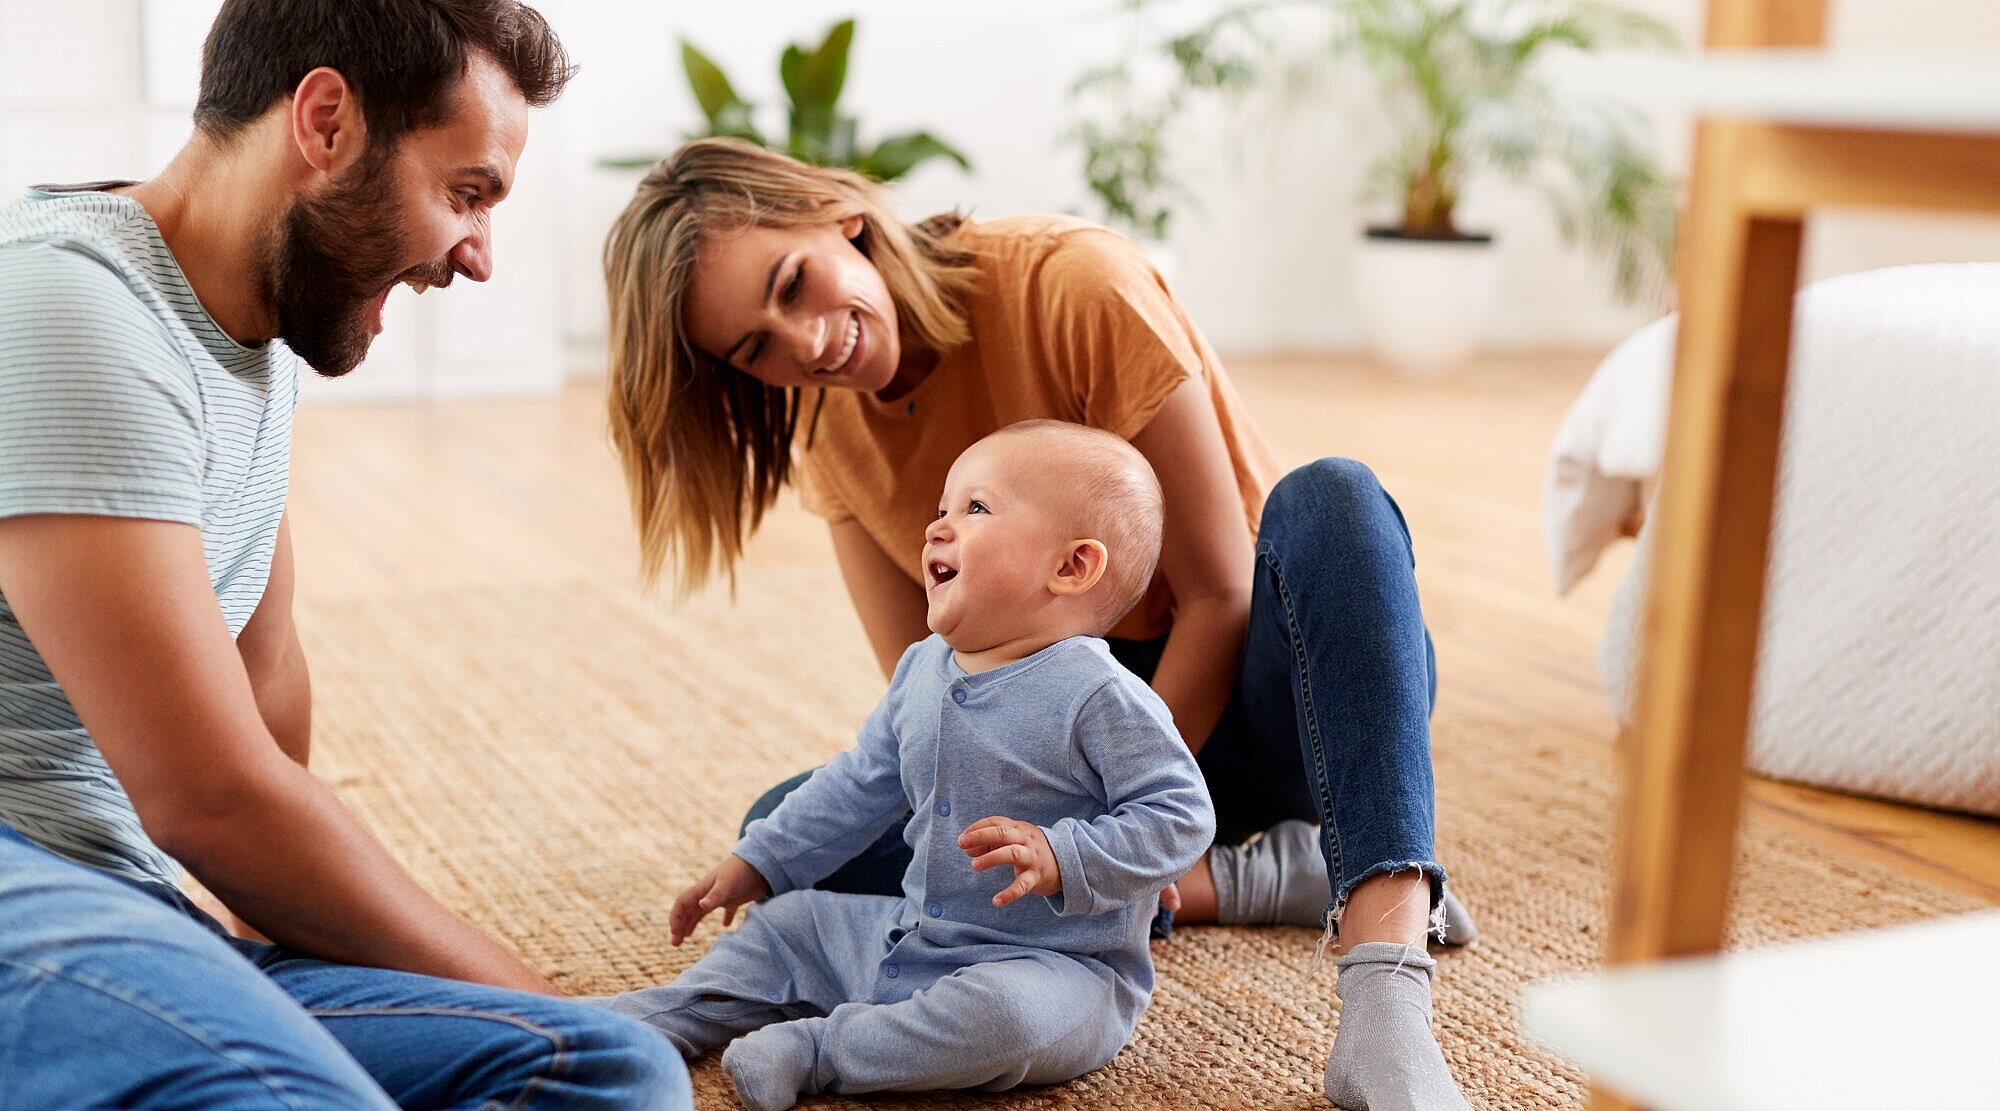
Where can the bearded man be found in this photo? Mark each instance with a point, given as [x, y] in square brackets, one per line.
[154, 703]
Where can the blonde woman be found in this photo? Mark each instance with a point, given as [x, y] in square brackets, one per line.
[772, 322]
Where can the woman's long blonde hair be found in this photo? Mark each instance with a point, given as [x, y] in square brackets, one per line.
[706, 447]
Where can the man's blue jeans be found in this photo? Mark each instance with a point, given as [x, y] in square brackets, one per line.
[123, 994]
[1330, 718]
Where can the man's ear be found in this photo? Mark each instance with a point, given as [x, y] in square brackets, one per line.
[327, 124]
[1080, 568]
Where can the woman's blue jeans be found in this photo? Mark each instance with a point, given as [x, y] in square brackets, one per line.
[1330, 718]
[116, 993]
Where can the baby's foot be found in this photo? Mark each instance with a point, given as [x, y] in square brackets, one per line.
[1280, 879]
[1385, 1057]
[771, 1066]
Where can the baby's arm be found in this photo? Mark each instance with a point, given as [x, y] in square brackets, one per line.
[1159, 818]
[837, 812]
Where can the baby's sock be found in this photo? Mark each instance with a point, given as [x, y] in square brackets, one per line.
[1280, 879]
[771, 1066]
[1385, 1057]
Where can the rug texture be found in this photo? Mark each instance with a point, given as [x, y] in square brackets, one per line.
[557, 764]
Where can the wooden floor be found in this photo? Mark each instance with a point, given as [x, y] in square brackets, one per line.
[388, 499]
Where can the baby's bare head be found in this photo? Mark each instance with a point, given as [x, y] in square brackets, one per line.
[1098, 487]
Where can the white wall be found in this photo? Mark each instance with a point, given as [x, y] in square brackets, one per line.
[1263, 264]
[1263, 256]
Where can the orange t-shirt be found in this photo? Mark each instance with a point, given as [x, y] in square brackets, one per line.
[1068, 321]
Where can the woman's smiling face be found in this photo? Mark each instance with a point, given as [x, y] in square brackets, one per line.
[795, 306]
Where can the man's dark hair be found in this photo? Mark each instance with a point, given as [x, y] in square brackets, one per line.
[402, 57]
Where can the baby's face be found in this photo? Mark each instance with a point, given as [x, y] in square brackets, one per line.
[993, 548]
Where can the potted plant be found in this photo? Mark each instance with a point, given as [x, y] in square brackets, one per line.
[1124, 133]
[1458, 92]
[818, 132]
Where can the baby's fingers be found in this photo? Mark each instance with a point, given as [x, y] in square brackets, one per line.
[1015, 856]
[1024, 883]
[987, 833]
[681, 921]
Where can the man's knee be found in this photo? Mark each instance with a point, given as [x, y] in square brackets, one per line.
[642, 1064]
[167, 1021]
[611, 1061]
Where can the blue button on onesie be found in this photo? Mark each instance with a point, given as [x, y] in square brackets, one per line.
[941, 989]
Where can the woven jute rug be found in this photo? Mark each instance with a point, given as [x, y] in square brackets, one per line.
[558, 763]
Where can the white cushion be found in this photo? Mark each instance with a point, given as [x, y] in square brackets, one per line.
[1879, 668]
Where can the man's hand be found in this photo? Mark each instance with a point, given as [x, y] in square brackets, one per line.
[1022, 846]
[732, 884]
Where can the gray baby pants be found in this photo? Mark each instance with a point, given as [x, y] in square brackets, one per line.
[884, 1009]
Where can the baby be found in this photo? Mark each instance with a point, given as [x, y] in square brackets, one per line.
[1017, 743]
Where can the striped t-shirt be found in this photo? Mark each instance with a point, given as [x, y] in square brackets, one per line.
[120, 397]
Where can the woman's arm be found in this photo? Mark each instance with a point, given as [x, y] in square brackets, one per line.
[892, 606]
[1206, 555]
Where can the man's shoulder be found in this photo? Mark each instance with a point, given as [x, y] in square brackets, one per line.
[60, 269]
[71, 286]
[76, 292]
[69, 320]
[80, 227]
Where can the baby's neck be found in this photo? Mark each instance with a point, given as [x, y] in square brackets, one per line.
[972, 662]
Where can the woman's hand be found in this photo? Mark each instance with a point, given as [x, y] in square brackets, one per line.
[1022, 846]
[732, 884]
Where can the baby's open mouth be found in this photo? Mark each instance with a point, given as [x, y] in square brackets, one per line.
[942, 573]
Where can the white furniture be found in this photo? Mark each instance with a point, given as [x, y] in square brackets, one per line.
[1876, 1019]
[1890, 92]
[1771, 154]
[1878, 668]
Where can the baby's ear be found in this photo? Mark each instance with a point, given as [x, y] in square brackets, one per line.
[1081, 567]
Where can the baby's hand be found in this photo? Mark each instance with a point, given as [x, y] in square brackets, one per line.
[1022, 846]
[732, 884]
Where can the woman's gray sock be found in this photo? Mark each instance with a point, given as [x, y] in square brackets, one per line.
[771, 1067]
[1385, 1057]
[1280, 879]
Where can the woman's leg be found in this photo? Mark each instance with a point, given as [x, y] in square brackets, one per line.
[879, 868]
[1337, 657]
[1337, 662]
[1247, 781]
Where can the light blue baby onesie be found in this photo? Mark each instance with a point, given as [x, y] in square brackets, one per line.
[941, 989]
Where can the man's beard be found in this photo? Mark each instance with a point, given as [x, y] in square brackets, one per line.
[335, 253]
